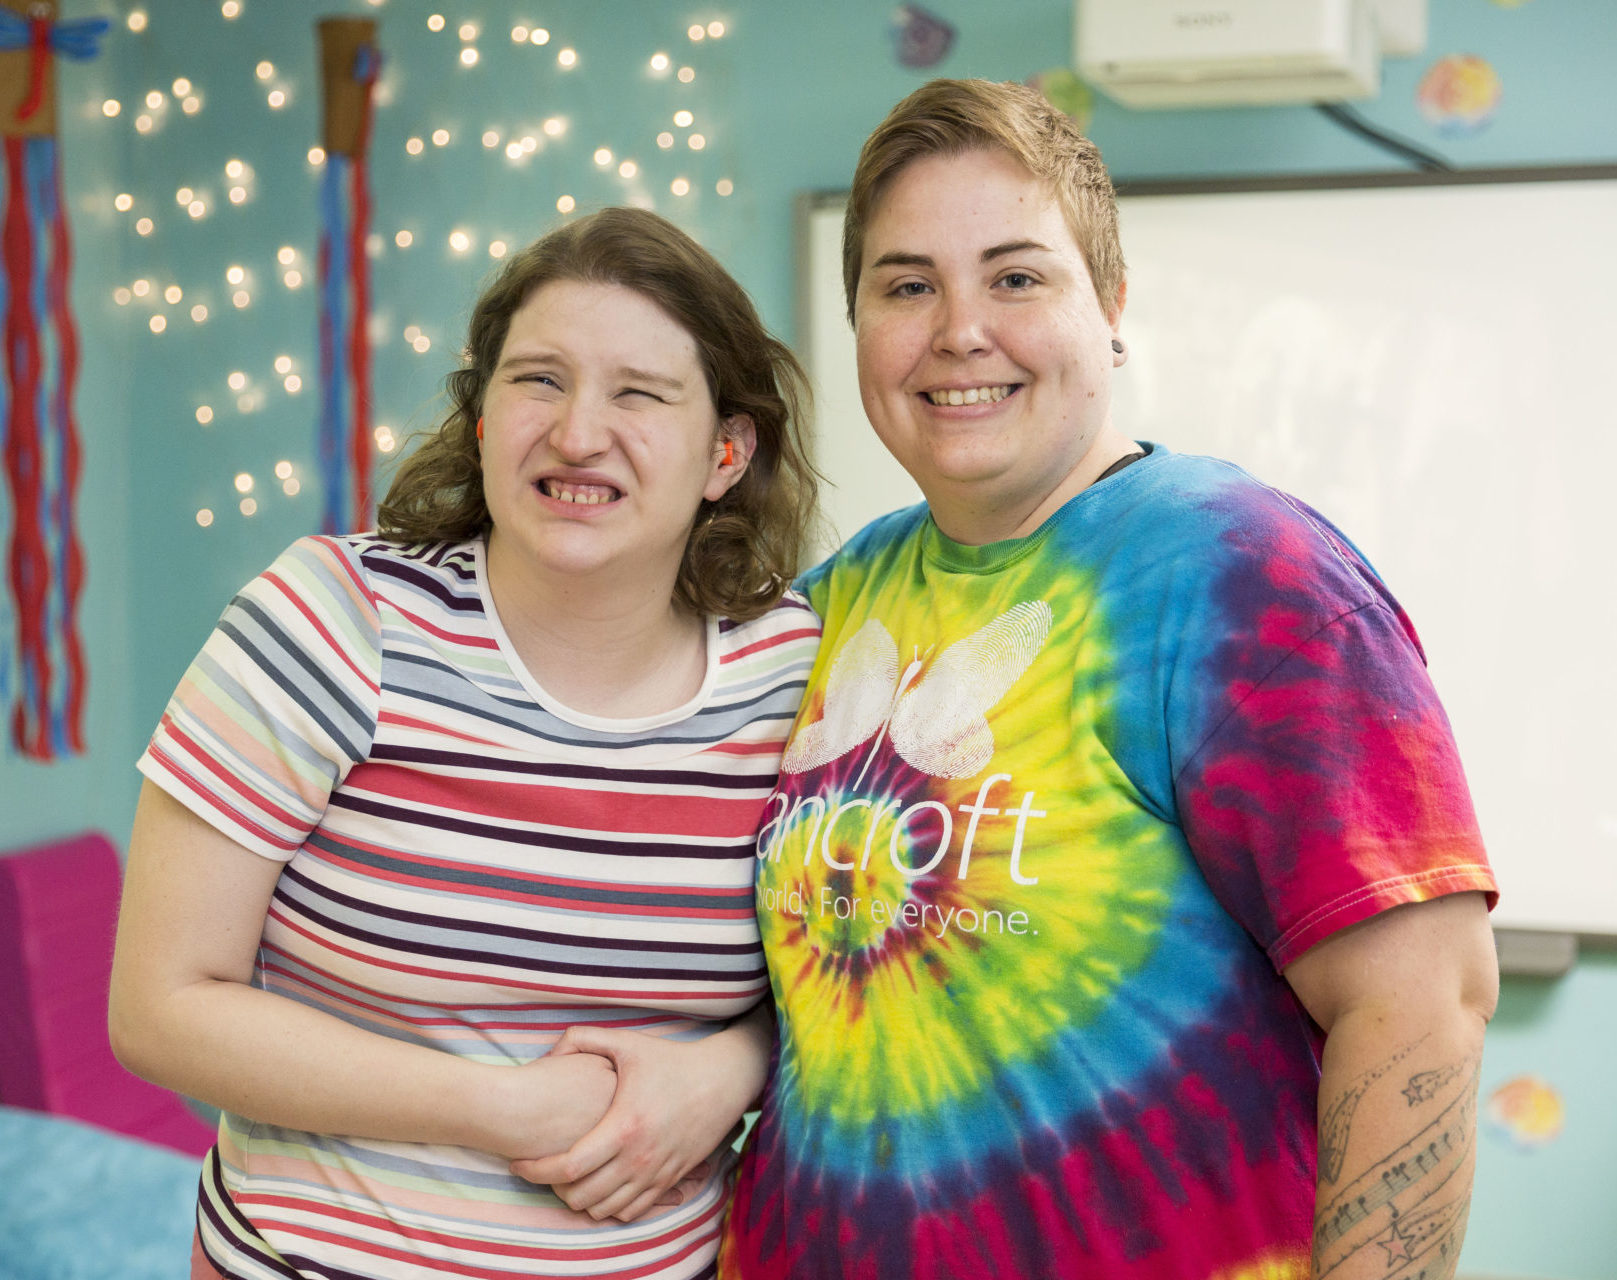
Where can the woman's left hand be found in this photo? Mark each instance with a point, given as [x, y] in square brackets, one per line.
[677, 1103]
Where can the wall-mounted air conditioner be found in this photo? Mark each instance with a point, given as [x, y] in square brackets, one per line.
[1183, 53]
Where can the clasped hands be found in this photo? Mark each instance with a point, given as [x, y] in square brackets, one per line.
[652, 1114]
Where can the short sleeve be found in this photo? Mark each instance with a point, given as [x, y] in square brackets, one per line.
[279, 705]
[1332, 790]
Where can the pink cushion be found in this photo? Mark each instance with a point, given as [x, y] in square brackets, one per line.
[58, 915]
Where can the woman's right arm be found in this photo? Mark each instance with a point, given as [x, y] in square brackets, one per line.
[183, 1013]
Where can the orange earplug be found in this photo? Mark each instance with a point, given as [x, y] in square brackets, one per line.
[479, 428]
[729, 453]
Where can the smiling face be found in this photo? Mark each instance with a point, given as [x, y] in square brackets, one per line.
[985, 357]
[600, 440]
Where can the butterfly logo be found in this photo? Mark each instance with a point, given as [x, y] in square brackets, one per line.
[937, 720]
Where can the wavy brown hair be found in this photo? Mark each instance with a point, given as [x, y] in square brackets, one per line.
[948, 117]
[743, 549]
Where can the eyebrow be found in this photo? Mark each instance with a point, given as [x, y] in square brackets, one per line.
[987, 255]
[626, 372]
[629, 374]
[1014, 246]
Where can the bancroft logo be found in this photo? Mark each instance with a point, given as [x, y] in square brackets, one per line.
[1204, 18]
[934, 714]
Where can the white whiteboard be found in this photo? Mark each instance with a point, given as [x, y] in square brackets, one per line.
[1433, 366]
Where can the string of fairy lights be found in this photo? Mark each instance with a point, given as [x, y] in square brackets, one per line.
[168, 305]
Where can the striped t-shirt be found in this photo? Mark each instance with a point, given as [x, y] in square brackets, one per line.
[473, 867]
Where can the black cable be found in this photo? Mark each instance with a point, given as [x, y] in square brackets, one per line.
[1353, 122]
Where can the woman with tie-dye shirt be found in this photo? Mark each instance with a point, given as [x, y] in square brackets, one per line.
[1124, 906]
[441, 882]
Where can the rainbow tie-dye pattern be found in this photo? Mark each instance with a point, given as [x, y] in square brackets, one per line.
[1054, 813]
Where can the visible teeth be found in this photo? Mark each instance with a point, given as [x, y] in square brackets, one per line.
[582, 495]
[971, 395]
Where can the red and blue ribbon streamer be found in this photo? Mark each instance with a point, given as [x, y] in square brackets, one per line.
[345, 353]
[44, 558]
[42, 664]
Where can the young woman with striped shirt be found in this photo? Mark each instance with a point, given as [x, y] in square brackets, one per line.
[444, 859]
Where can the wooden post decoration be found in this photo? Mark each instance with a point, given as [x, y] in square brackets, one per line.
[42, 668]
[349, 63]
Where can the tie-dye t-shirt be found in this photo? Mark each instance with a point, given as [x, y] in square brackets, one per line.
[1054, 814]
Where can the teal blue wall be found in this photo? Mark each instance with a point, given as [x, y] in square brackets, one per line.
[784, 99]
[1547, 1210]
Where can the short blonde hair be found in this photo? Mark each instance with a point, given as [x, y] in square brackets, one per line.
[948, 117]
[744, 549]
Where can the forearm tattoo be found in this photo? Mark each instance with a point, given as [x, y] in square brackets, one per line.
[1407, 1210]
[1337, 1121]
[1424, 1085]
